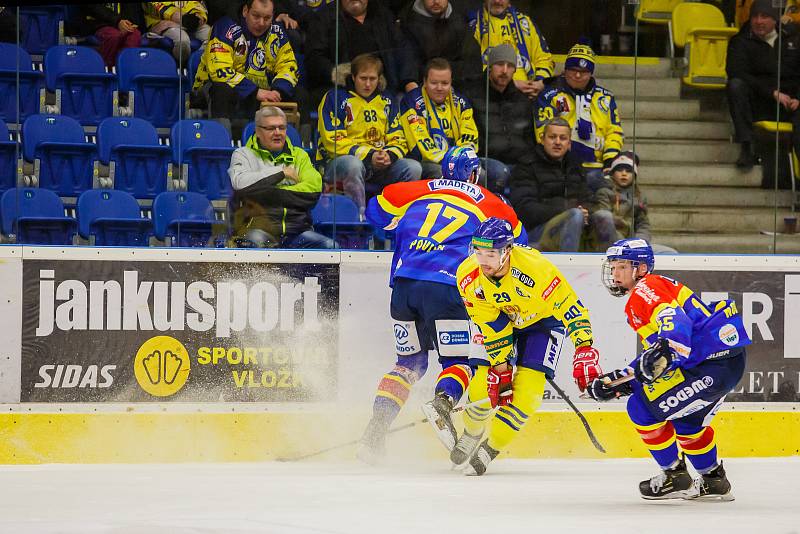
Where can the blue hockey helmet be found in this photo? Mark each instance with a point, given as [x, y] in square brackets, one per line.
[461, 163]
[636, 251]
[493, 233]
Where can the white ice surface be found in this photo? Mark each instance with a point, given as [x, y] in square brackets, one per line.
[515, 496]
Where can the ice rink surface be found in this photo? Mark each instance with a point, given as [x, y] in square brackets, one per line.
[515, 496]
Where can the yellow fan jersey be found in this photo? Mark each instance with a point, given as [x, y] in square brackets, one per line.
[352, 125]
[245, 62]
[532, 290]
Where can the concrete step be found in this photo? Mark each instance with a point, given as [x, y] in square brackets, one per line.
[678, 219]
[672, 129]
[697, 174]
[683, 151]
[655, 108]
[624, 68]
[731, 198]
[645, 87]
[740, 243]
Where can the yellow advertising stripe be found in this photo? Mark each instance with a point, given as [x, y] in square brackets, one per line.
[32, 438]
[614, 60]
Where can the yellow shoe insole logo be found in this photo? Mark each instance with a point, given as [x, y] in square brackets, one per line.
[161, 366]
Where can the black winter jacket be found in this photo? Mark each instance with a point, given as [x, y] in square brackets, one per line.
[541, 188]
[756, 62]
[510, 133]
[393, 49]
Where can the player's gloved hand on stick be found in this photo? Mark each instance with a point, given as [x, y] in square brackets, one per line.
[600, 389]
[585, 366]
[654, 362]
[499, 385]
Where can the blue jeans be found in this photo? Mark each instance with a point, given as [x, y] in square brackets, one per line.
[564, 232]
[354, 175]
[308, 239]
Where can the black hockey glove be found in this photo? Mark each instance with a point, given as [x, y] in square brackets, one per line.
[653, 362]
[601, 390]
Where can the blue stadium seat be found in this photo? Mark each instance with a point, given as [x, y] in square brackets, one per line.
[184, 218]
[150, 77]
[41, 26]
[36, 216]
[66, 162]
[86, 90]
[9, 153]
[14, 61]
[113, 218]
[203, 149]
[336, 216]
[291, 133]
[141, 166]
[194, 64]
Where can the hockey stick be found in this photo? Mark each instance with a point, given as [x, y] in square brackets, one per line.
[586, 426]
[357, 441]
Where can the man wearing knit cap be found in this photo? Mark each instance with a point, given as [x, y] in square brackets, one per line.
[497, 22]
[753, 85]
[590, 110]
[505, 120]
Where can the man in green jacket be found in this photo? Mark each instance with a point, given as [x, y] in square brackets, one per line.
[275, 187]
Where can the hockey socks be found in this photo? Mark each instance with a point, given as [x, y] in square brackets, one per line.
[393, 391]
[700, 449]
[660, 440]
[453, 381]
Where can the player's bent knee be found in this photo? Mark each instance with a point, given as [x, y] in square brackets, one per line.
[528, 389]
[417, 363]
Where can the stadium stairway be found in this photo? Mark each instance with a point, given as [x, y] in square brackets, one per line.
[699, 201]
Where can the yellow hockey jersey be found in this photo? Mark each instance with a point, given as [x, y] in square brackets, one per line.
[158, 11]
[533, 289]
[351, 125]
[597, 136]
[247, 63]
[534, 61]
[432, 129]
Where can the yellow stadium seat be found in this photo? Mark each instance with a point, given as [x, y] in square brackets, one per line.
[785, 129]
[656, 11]
[701, 31]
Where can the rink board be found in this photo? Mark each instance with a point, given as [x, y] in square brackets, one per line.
[274, 353]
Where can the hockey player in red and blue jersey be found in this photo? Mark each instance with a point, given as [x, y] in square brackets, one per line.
[694, 356]
[433, 222]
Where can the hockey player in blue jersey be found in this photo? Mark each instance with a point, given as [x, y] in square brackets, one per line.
[433, 222]
[694, 356]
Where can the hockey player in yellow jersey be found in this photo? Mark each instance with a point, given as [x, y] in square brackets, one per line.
[524, 308]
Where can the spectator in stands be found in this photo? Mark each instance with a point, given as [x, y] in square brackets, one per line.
[362, 27]
[246, 63]
[295, 15]
[179, 21]
[115, 25]
[435, 118]
[552, 199]
[752, 67]
[360, 133]
[590, 110]
[498, 22]
[508, 134]
[275, 187]
[626, 202]
[438, 28]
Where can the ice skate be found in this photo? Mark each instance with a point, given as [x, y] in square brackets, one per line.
[712, 486]
[437, 412]
[674, 483]
[480, 459]
[464, 448]
[372, 449]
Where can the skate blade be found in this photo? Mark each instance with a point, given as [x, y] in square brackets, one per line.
[686, 495]
[728, 497]
[447, 439]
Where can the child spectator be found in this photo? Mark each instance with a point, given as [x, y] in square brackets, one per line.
[626, 202]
